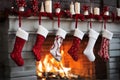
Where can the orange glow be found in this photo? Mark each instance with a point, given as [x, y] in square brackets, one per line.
[67, 67]
[49, 64]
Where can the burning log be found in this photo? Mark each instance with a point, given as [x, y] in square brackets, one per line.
[57, 76]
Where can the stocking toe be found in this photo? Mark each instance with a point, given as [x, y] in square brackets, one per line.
[36, 54]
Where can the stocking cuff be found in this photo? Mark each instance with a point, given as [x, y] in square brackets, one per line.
[107, 34]
[78, 33]
[22, 34]
[93, 34]
[42, 31]
[61, 33]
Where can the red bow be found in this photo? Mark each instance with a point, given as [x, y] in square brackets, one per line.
[85, 7]
[35, 2]
[21, 3]
[106, 8]
[57, 5]
[35, 6]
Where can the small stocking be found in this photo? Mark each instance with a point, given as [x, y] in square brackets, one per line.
[41, 35]
[55, 49]
[21, 38]
[93, 35]
[78, 35]
[106, 37]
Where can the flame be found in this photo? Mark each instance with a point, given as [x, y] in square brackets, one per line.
[67, 68]
[49, 64]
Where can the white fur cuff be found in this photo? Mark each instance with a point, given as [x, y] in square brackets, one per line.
[107, 34]
[22, 34]
[61, 33]
[78, 33]
[42, 31]
[93, 33]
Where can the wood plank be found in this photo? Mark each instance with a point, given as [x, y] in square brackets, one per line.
[114, 53]
[114, 59]
[114, 65]
[114, 46]
[114, 77]
[114, 71]
[115, 40]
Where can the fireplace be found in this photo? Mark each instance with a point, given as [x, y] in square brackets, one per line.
[48, 68]
[67, 68]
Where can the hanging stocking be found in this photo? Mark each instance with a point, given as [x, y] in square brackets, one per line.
[41, 35]
[55, 49]
[21, 38]
[93, 35]
[103, 53]
[78, 35]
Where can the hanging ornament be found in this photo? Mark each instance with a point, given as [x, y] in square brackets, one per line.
[106, 10]
[106, 14]
[57, 7]
[86, 9]
[21, 4]
[87, 13]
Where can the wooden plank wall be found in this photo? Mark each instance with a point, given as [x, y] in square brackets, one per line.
[114, 62]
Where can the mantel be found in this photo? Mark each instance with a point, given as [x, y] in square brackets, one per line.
[31, 24]
[55, 18]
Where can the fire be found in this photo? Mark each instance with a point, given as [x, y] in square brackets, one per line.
[48, 67]
[49, 64]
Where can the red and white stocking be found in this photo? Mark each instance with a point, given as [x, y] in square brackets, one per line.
[93, 35]
[41, 35]
[55, 49]
[106, 37]
[21, 38]
[78, 35]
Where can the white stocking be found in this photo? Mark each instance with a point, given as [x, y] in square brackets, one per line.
[93, 35]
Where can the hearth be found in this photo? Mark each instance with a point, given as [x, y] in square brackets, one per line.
[68, 69]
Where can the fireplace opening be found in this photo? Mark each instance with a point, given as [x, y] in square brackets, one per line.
[49, 69]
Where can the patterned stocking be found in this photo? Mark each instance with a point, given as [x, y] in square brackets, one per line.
[78, 35]
[103, 53]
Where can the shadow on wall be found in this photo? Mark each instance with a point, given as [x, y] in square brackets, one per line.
[3, 43]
